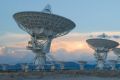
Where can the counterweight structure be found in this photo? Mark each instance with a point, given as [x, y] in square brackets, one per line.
[101, 48]
[43, 27]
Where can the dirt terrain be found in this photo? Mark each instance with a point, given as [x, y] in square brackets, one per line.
[61, 75]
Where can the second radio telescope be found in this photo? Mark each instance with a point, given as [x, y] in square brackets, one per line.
[101, 47]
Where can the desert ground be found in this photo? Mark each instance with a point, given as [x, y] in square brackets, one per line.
[63, 75]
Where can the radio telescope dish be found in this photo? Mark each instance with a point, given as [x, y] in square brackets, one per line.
[43, 27]
[117, 52]
[101, 47]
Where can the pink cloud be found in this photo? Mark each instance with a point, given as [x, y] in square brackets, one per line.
[70, 47]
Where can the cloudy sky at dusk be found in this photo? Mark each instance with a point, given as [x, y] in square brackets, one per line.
[92, 17]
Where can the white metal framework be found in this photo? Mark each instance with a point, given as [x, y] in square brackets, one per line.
[101, 48]
[43, 28]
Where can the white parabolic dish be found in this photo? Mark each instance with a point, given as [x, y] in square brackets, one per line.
[105, 43]
[43, 24]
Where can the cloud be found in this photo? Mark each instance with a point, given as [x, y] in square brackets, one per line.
[71, 47]
[13, 38]
[13, 55]
[110, 35]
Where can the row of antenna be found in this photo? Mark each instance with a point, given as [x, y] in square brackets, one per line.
[44, 30]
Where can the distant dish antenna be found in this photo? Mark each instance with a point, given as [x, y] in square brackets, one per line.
[82, 64]
[103, 36]
[101, 48]
[47, 9]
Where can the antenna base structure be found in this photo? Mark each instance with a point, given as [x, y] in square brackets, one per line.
[101, 55]
[40, 46]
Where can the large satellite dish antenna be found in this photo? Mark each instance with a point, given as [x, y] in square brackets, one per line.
[43, 27]
[117, 52]
[101, 47]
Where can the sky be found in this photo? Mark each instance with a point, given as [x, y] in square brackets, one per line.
[90, 16]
